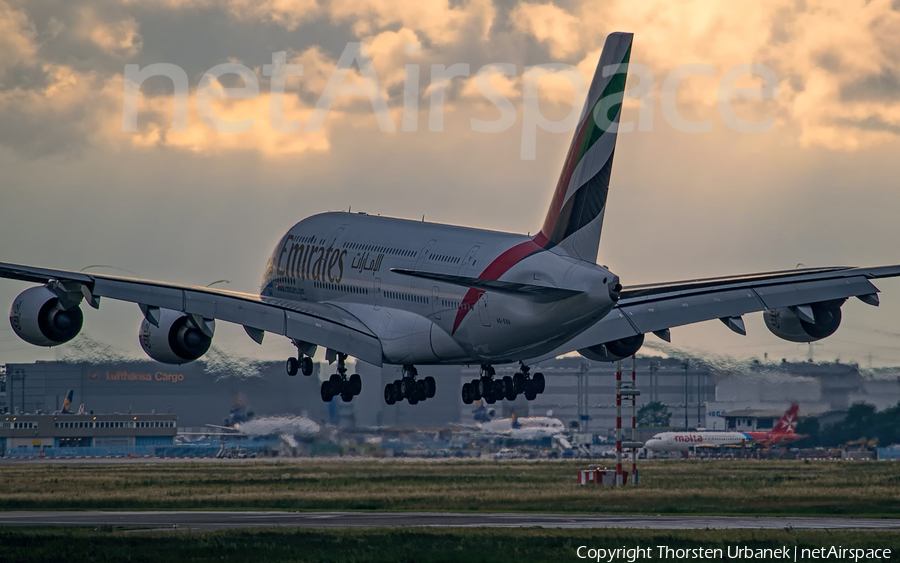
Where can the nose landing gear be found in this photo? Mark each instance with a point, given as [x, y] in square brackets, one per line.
[409, 388]
[493, 390]
[340, 384]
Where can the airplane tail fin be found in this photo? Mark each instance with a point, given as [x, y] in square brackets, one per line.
[575, 218]
[788, 421]
[81, 409]
[67, 404]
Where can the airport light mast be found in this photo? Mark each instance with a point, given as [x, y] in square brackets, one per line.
[684, 365]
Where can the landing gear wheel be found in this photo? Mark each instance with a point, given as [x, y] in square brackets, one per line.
[421, 390]
[389, 394]
[467, 394]
[326, 391]
[430, 387]
[538, 380]
[291, 366]
[519, 382]
[414, 399]
[339, 384]
[508, 387]
[306, 365]
[530, 394]
[355, 384]
[477, 389]
[487, 386]
[406, 387]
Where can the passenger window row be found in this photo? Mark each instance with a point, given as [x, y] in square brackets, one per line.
[443, 258]
[375, 248]
[407, 297]
[341, 287]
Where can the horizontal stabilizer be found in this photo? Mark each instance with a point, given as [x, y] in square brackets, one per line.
[542, 293]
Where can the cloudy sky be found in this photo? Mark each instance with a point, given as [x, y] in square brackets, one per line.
[197, 205]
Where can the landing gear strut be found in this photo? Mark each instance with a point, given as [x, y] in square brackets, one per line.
[493, 390]
[531, 386]
[303, 362]
[409, 388]
[340, 384]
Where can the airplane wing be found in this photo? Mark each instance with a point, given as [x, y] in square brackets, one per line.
[317, 323]
[539, 292]
[658, 307]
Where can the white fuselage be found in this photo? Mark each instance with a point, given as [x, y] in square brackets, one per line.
[683, 441]
[345, 259]
[301, 426]
[527, 428]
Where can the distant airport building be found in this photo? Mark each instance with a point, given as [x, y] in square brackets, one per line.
[824, 388]
[578, 392]
[751, 420]
[44, 431]
[683, 386]
[198, 393]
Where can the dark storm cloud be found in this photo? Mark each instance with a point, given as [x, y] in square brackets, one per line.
[61, 33]
[884, 86]
[680, 205]
[871, 123]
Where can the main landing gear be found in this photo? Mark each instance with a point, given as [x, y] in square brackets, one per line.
[409, 388]
[493, 390]
[303, 362]
[340, 384]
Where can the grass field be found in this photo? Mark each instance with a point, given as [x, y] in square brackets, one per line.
[395, 545]
[667, 487]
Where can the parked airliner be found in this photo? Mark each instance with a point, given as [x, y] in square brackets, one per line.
[414, 294]
[525, 428]
[781, 433]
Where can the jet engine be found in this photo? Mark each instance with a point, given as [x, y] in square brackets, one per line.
[615, 350]
[805, 324]
[38, 317]
[177, 338]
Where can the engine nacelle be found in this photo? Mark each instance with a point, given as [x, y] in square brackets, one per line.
[178, 339]
[785, 324]
[615, 350]
[38, 318]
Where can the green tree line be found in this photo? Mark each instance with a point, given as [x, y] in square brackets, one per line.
[861, 422]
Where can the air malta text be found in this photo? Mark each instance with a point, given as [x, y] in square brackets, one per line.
[689, 438]
[310, 262]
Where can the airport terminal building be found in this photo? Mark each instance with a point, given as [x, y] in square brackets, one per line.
[578, 392]
[44, 431]
[202, 393]
[195, 393]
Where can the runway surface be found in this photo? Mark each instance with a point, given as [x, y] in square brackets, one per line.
[230, 520]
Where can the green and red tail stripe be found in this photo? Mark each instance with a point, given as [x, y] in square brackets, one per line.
[580, 197]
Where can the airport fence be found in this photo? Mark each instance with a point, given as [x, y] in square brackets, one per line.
[94, 451]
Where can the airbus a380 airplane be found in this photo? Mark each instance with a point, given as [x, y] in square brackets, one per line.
[410, 293]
